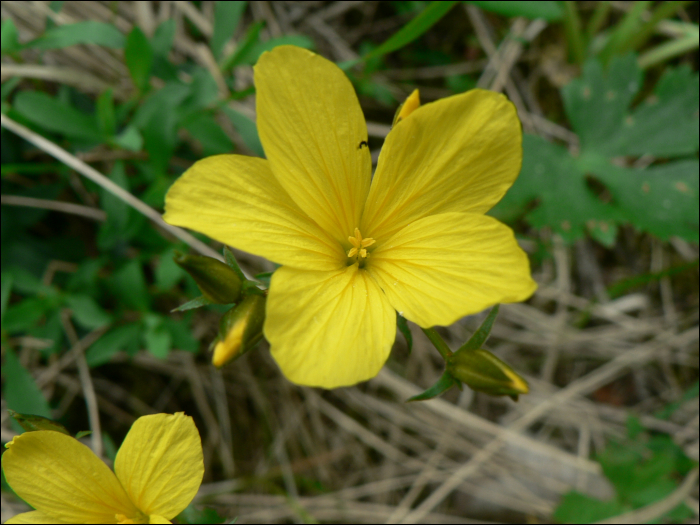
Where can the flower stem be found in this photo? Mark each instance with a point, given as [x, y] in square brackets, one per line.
[438, 343]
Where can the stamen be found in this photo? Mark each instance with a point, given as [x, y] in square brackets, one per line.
[359, 245]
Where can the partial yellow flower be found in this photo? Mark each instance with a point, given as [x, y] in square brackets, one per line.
[357, 248]
[159, 469]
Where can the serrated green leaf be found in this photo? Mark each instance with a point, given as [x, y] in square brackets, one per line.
[442, 385]
[115, 340]
[549, 11]
[402, 325]
[56, 116]
[90, 32]
[666, 123]
[197, 302]
[479, 337]
[138, 56]
[20, 391]
[662, 200]
[597, 101]
[591, 192]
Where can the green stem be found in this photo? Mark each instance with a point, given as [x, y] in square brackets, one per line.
[664, 11]
[572, 25]
[600, 15]
[624, 31]
[438, 343]
[668, 50]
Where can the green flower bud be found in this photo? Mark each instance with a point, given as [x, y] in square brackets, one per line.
[481, 370]
[239, 329]
[218, 282]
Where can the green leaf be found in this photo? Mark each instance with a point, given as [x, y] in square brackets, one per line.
[32, 423]
[168, 273]
[105, 113]
[138, 56]
[20, 391]
[231, 261]
[207, 131]
[129, 285]
[443, 384]
[402, 325]
[129, 139]
[243, 48]
[666, 124]
[596, 103]
[415, 28]
[56, 116]
[115, 340]
[90, 32]
[591, 192]
[662, 200]
[22, 316]
[9, 41]
[197, 302]
[247, 129]
[549, 11]
[6, 289]
[252, 53]
[181, 334]
[227, 15]
[87, 312]
[575, 507]
[157, 337]
[477, 340]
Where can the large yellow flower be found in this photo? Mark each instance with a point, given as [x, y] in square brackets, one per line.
[159, 469]
[415, 240]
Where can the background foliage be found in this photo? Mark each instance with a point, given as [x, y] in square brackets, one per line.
[606, 205]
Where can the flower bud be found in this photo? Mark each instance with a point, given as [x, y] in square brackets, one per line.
[482, 371]
[239, 329]
[219, 283]
[409, 106]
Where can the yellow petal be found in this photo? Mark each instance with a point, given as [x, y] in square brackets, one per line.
[311, 127]
[158, 519]
[160, 463]
[446, 266]
[35, 516]
[58, 475]
[328, 329]
[236, 200]
[460, 153]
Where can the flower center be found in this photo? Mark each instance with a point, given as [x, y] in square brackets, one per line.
[359, 249]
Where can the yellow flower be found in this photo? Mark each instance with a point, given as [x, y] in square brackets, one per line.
[415, 240]
[159, 469]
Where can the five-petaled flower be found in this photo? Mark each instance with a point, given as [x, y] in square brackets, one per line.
[355, 248]
[158, 468]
